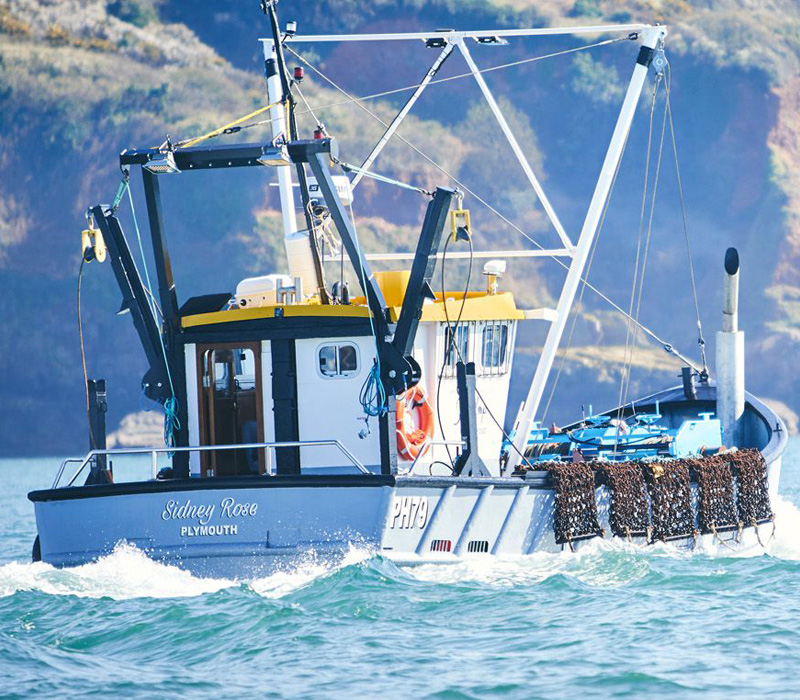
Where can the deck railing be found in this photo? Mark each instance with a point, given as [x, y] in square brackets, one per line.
[268, 448]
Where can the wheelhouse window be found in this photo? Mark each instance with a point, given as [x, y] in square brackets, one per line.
[456, 344]
[495, 343]
[338, 360]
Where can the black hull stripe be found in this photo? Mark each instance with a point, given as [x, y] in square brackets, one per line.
[213, 484]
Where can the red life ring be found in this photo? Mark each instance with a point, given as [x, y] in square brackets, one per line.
[410, 440]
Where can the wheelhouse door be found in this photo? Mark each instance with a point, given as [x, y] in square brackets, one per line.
[231, 410]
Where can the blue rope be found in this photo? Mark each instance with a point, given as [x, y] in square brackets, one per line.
[171, 422]
[123, 185]
[373, 393]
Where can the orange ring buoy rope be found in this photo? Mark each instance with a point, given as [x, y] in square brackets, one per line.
[410, 442]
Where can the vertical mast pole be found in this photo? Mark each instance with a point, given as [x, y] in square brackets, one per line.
[651, 37]
[277, 115]
[301, 247]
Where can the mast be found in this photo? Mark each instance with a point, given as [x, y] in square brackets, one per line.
[651, 38]
[301, 247]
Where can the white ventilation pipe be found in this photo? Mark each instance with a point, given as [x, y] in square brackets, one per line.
[730, 357]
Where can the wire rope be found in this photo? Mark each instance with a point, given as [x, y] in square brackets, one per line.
[700, 338]
[452, 341]
[579, 306]
[92, 440]
[645, 256]
[637, 259]
[667, 346]
[452, 332]
[460, 76]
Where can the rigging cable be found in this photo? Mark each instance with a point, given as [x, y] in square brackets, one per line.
[579, 306]
[308, 106]
[640, 234]
[236, 126]
[700, 338]
[92, 440]
[172, 422]
[230, 128]
[460, 76]
[451, 339]
[452, 332]
[645, 256]
[666, 346]
[349, 168]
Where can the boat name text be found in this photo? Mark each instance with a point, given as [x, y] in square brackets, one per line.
[204, 512]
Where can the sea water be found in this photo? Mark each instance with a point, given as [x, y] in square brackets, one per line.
[614, 620]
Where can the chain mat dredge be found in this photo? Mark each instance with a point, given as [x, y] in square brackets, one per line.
[301, 418]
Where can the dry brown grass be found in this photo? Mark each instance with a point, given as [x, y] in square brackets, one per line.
[11, 25]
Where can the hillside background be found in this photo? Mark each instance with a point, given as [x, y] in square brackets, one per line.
[82, 79]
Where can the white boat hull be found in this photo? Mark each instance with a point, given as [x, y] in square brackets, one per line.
[268, 526]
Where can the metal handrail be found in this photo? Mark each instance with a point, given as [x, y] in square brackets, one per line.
[60, 472]
[155, 451]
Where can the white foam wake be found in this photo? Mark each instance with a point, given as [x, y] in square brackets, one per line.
[305, 572]
[613, 561]
[600, 562]
[129, 573]
[125, 573]
[786, 544]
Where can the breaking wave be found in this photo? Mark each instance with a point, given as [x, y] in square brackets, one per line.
[129, 573]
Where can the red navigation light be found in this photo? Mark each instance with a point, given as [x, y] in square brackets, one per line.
[299, 73]
[319, 132]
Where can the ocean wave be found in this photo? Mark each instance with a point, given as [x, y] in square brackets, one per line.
[125, 573]
[129, 573]
[308, 570]
[600, 562]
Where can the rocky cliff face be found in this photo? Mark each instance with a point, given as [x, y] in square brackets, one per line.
[82, 79]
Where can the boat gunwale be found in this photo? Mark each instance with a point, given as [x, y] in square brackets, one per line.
[129, 488]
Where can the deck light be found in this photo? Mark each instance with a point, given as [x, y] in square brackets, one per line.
[275, 155]
[162, 163]
[491, 40]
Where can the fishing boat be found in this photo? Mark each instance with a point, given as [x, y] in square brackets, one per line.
[305, 417]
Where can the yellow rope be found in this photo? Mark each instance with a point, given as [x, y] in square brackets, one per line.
[217, 132]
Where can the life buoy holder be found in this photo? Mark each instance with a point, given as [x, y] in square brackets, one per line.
[411, 441]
